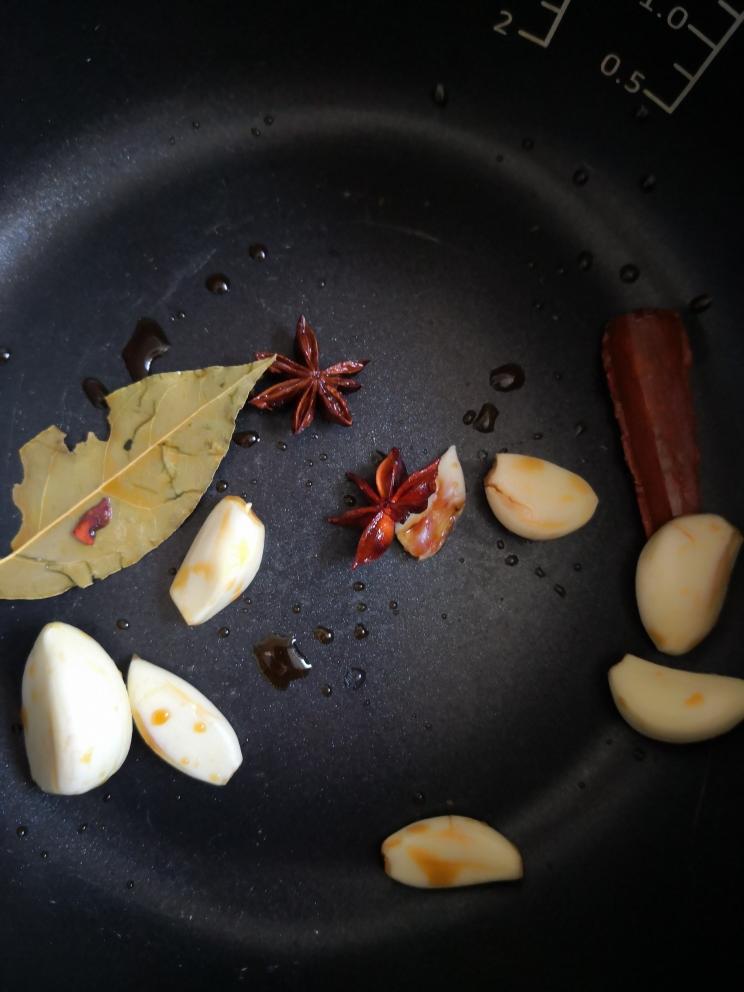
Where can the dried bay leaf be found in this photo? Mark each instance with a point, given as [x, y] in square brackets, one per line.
[167, 435]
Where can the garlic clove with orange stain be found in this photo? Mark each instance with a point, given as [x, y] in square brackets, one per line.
[682, 578]
[221, 563]
[181, 725]
[537, 499]
[448, 851]
[76, 717]
[423, 534]
[675, 706]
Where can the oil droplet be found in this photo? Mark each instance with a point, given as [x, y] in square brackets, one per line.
[540, 572]
[281, 445]
[468, 417]
[5, 354]
[354, 678]
[500, 545]
[358, 586]
[221, 486]
[349, 500]
[560, 590]
[507, 378]
[21, 831]
[159, 717]
[581, 177]
[393, 604]
[268, 120]
[96, 392]
[579, 428]
[323, 634]
[648, 182]
[218, 283]
[629, 272]
[246, 439]
[297, 608]
[419, 797]
[700, 304]
[258, 252]
[486, 419]
[148, 342]
[360, 632]
[326, 691]
[511, 560]
[577, 566]
[82, 828]
[200, 727]
[122, 624]
[43, 855]
[223, 632]
[280, 660]
[130, 884]
[585, 260]
[439, 95]
[537, 436]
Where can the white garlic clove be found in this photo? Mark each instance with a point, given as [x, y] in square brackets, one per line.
[448, 851]
[181, 725]
[673, 706]
[423, 534]
[76, 717]
[221, 563]
[682, 577]
[537, 499]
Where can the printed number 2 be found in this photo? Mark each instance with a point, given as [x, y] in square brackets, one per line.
[502, 25]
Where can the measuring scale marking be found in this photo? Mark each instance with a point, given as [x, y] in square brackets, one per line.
[694, 77]
[559, 11]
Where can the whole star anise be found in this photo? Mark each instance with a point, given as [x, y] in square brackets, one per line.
[308, 383]
[398, 495]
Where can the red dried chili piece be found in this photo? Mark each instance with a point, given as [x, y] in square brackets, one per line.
[396, 495]
[93, 520]
[308, 384]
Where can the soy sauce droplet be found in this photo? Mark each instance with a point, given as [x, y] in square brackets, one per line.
[419, 797]
[246, 439]
[21, 831]
[172, 570]
[43, 855]
[486, 419]
[326, 691]
[581, 177]
[360, 631]
[641, 113]
[500, 545]
[107, 797]
[280, 660]
[577, 566]
[511, 560]
[130, 884]
[579, 428]
[148, 342]
[468, 417]
[297, 608]
[537, 436]
[648, 182]
[585, 260]
[256, 132]
[218, 283]
[223, 632]
[221, 486]
[439, 95]
[349, 500]
[268, 120]
[196, 125]
[96, 392]
[507, 378]
[258, 252]
[629, 272]
[540, 572]
[82, 828]
[354, 678]
[5, 354]
[323, 634]
[122, 624]
[700, 304]
[393, 604]
[281, 445]
[361, 607]
[638, 753]
[560, 590]
[358, 586]
[323, 456]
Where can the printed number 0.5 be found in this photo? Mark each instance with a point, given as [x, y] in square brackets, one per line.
[501, 26]
[634, 83]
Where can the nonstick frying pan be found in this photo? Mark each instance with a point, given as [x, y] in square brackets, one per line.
[438, 233]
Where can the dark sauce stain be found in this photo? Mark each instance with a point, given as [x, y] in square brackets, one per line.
[127, 446]
[96, 392]
[507, 378]
[280, 660]
[147, 343]
[218, 283]
[486, 419]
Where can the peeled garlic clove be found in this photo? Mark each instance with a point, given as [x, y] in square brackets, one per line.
[682, 578]
[221, 563]
[181, 725]
[447, 851]
[423, 534]
[673, 706]
[537, 499]
[76, 717]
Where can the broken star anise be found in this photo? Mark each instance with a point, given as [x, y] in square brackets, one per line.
[398, 495]
[308, 383]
